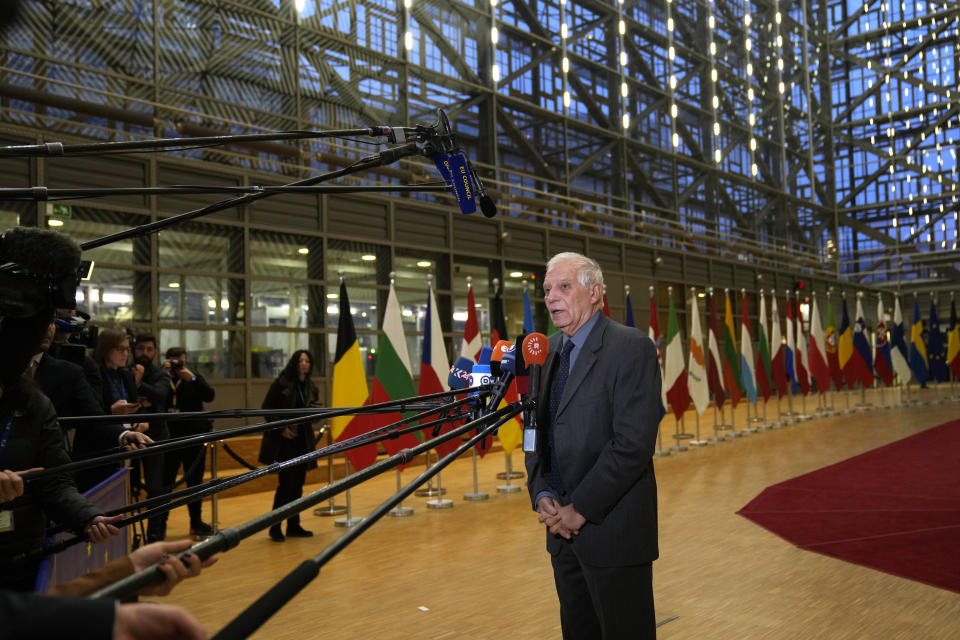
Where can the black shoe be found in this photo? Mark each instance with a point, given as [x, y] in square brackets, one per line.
[200, 529]
[296, 531]
[276, 534]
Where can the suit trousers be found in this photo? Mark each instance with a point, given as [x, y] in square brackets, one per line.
[612, 603]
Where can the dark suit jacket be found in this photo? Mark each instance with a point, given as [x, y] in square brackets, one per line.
[65, 383]
[605, 433]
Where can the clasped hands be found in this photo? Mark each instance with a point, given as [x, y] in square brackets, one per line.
[564, 521]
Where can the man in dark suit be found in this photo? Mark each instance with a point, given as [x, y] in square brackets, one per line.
[591, 478]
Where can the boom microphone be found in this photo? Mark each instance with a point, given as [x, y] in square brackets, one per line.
[458, 172]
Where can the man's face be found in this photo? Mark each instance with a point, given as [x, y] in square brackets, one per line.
[144, 352]
[570, 304]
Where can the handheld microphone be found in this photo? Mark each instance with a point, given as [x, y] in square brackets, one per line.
[508, 364]
[503, 376]
[520, 367]
[535, 349]
[460, 372]
[485, 354]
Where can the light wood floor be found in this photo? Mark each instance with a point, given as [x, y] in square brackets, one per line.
[479, 570]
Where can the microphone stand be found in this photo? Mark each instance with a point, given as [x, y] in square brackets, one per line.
[228, 538]
[273, 600]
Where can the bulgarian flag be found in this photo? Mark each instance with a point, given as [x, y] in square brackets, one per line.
[731, 361]
[350, 387]
[393, 377]
[675, 379]
[764, 363]
[434, 366]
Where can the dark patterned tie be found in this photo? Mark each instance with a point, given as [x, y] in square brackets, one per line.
[560, 374]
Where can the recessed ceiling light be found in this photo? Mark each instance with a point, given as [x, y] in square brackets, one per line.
[54, 222]
[303, 251]
[333, 296]
[516, 274]
[424, 263]
[368, 257]
[174, 285]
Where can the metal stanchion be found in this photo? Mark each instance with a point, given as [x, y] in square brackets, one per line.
[862, 405]
[348, 520]
[763, 421]
[509, 474]
[803, 408]
[332, 509]
[776, 424]
[477, 494]
[400, 511]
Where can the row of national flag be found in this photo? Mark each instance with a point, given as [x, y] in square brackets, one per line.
[768, 362]
[764, 361]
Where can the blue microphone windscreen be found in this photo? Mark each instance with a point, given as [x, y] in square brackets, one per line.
[485, 354]
[456, 173]
[460, 373]
[509, 361]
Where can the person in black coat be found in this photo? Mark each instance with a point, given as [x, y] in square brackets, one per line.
[31, 439]
[292, 389]
[189, 393]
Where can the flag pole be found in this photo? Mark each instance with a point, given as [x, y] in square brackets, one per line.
[440, 502]
[348, 520]
[331, 509]
[476, 495]
[698, 442]
[716, 427]
[508, 475]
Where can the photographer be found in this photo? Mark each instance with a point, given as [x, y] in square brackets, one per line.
[155, 389]
[72, 338]
[190, 391]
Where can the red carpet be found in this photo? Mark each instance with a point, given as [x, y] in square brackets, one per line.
[895, 508]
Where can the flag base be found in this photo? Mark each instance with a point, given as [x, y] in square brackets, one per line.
[440, 503]
[680, 437]
[748, 430]
[513, 475]
[349, 521]
[476, 497]
[661, 452]
[698, 443]
[765, 426]
[429, 492]
[330, 510]
[508, 488]
[401, 512]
